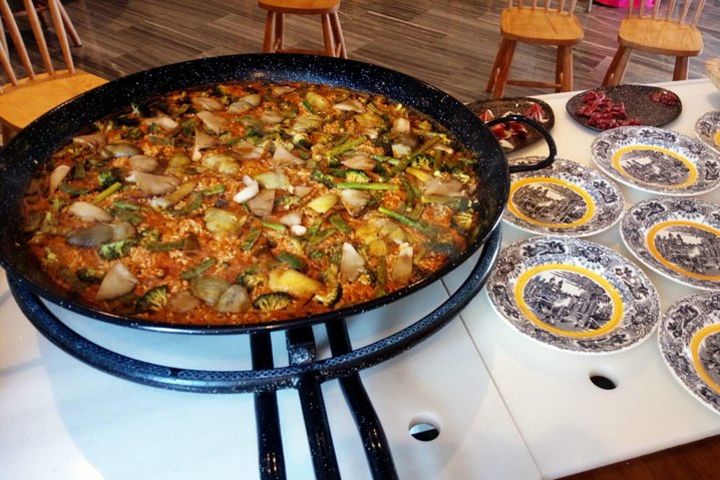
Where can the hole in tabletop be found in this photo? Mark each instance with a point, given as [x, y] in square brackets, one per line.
[424, 431]
[603, 382]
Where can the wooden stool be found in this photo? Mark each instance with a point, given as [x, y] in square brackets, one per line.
[538, 26]
[663, 34]
[327, 9]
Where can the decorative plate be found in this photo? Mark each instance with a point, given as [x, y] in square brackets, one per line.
[517, 135]
[707, 128]
[689, 338]
[565, 199]
[657, 161]
[573, 295]
[678, 238]
[610, 107]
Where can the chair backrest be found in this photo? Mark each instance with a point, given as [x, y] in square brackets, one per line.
[672, 11]
[545, 5]
[17, 40]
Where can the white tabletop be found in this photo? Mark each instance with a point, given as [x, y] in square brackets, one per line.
[507, 408]
[568, 424]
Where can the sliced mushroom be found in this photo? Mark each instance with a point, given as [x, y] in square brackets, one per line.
[183, 302]
[401, 269]
[120, 150]
[351, 263]
[212, 121]
[401, 125]
[117, 282]
[278, 90]
[96, 140]
[283, 157]
[207, 103]
[359, 162]
[57, 176]
[122, 231]
[202, 142]
[143, 163]
[92, 236]
[271, 118]
[262, 204]
[245, 103]
[354, 201]
[151, 184]
[89, 213]
[162, 121]
[233, 300]
[445, 188]
[349, 106]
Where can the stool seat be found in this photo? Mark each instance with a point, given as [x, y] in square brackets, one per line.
[327, 10]
[540, 26]
[300, 7]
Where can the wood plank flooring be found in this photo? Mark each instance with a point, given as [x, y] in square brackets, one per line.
[449, 43]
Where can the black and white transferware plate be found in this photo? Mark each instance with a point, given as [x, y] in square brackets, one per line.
[707, 128]
[689, 338]
[657, 161]
[609, 107]
[573, 295]
[565, 199]
[679, 238]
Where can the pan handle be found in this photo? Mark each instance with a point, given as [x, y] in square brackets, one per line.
[538, 128]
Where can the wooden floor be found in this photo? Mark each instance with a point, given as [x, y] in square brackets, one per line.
[449, 43]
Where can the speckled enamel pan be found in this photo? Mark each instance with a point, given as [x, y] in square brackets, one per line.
[573, 295]
[657, 161]
[566, 199]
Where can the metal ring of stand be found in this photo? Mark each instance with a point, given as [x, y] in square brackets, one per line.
[305, 373]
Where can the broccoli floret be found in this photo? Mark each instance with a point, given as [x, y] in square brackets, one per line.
[115, 250]
[109, 177]
[422, 161]
[464, 220]
[89, 275]
[357, 176]
[331, 297]
[272, 301]
[154, 299]
[323, 178]
[250, 278]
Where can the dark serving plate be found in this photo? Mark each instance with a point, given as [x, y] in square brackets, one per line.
[638, 103]
[502, 106]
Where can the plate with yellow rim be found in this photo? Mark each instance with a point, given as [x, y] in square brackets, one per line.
[566, 199]
[689, 338]
[676, 237]
[573, 295]
[707, 128]
[657, 160]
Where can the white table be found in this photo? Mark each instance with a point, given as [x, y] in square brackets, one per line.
[506, 407]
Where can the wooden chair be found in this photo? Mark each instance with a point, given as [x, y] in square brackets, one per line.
[41, 7]
[25, 99]
[537, 26]
[663, 34]
[333, 40]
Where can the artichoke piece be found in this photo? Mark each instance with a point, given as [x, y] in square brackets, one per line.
[223, 222]
[183, 302]
[209, 289]
[293, 282]
[153, 300]
[234, 300]
[331, 297]
[273, 180]
[182, 191]
[272, 301]
[323, 203]
[316, 102]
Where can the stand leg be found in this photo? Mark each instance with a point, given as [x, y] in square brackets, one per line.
[681, 68]
[377, 449]
[301, 349]
[267, 419]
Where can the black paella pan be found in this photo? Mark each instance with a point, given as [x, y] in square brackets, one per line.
[36, 143]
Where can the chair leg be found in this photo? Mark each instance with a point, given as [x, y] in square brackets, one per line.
[69, 26]
[7, 133]
[279, 39]
[328, 35]
[496, 65]
[504, 72]
[681, 68]
[567, 68]
[339, 39]
[269, 40]
[616, 70]
[559, 69]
